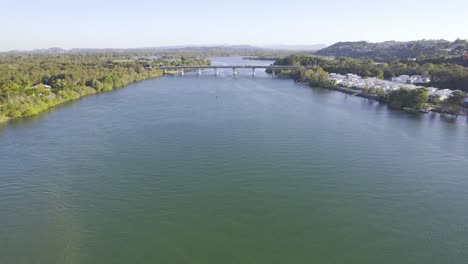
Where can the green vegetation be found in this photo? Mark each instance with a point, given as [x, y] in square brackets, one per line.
[448, 73]
[315, 77]
[445, 73]
[453, 104]
[393, 50]
[30, 84]
[408, 98]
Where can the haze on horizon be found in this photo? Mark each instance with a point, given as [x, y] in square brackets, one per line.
[30, 24]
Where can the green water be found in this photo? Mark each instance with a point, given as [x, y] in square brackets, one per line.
[232, 170]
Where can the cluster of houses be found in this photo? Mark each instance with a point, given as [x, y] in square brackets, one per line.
[357, 82]
[414, 79]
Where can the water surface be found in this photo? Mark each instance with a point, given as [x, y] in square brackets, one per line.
[232, 170]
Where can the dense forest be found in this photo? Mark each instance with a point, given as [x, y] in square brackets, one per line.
[31, 83]
[450, 73]
[393, 50]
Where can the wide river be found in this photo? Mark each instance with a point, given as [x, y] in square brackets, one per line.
[223, 169]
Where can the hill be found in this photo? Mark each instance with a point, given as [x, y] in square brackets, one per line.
[391, 50]
[296, 47]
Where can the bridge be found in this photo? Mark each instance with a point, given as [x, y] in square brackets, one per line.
[234, 68]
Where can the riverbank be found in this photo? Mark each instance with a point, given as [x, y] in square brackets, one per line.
[35, 104]
[31, 84]
[426, 109]
[354, 92]
[378, 81]
[167, 153]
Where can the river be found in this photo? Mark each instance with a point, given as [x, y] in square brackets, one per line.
[223, 169]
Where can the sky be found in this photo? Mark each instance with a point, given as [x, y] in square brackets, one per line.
[33, 24]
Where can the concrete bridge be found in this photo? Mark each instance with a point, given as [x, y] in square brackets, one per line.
[234, 68]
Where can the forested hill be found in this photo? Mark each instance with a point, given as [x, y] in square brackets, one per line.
[391, 50]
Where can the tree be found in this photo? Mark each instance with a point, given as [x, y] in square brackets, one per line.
[408, 98]
[380, 93]
[454, 103]
[319, 77]
[69, 75]
[435, 99]
[419, 97]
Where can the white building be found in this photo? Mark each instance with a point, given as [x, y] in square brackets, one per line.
[443, 94]
[40, 85]
[401, 79]
[352, 77]
[419, 79]
[431, 90]
[357, 82]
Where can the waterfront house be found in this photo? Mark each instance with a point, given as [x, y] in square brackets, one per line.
[401, 79]
[357, 82]
[337, 79]
[42, 89]
[431, 90]
[419, 79]
[353, 77]
[410, 86]
[395, 79]
[43, 86]
[443, 93]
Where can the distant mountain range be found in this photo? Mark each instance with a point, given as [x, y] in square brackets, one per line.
[241, 49]
[382, 51]
[389, 50]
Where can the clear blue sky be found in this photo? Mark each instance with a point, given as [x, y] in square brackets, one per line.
[30, 24]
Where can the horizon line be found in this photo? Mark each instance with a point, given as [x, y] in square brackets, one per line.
[263, 46]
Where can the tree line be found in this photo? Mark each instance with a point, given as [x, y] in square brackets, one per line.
[31, 83]
[449, 73]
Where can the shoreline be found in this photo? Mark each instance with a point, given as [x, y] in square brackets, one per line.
[376, 98]
[4, 120]
[349, 91]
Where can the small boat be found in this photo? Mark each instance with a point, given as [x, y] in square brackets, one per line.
[424, 110]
